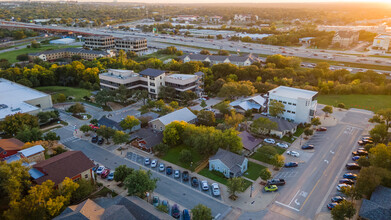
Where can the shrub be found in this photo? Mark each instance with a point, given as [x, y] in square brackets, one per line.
[265, 174]
[341, 105]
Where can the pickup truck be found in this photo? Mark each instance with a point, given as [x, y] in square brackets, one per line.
[277, 182]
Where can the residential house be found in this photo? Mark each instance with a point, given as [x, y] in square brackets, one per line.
[249, 141]
[113, 120]
[228, 163]
[72, 164]
[183, 114]
[9, 147]
[345, 38]
[285, 127]
[255, 103]
[31, 155]
[378, 207]
[245, 60]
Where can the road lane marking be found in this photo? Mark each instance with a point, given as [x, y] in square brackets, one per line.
[326, 161]
[297, 210]
[297, 203]
[294, 197]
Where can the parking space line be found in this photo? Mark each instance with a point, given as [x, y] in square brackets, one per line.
[294, 197]
[287, 206]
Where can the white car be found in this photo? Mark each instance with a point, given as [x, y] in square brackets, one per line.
[343, 185]
[147, 161]
[293, 153]
[154, 163]
[283, 145]
[161, 167]
[204, 185]
[100, 170]
[269, 141]
[215, 189]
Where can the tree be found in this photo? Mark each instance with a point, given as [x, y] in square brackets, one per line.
[234, 119]
[379, 133]
[231, 90]
[343, 210]
[121, 172]
[13, 123]
[174, 104]
[234, 185]
[85, 128]
[206, 118]
[223, 53]
[263, 126]
[104, 96]
[129, 122]
[205, 52]
[276, 108]
[167, 93]
[369, 179]
[265, 174]
[278, 160]
[140, 95]
[315, 122]
[60, 97]
[161, 148]
[45, 117]
[223, 107]
[185, 156]
[85, 189]
[22, 57]
[341, 105]
[105, 132]
[308, 132]
[139, 182]
[51, 136]
[77, 108]
[203, 104]
[380, 156]
[328, 110]
[173, 132]
[29, 134]
[201, 212]
[382, 116]
[120, 137]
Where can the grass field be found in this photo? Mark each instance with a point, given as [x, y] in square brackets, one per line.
[172, 156]
[11, 55]
[218, 178]
[368, 102]
[266, 158]
[78, 93]
[253, 170]
[156, 55]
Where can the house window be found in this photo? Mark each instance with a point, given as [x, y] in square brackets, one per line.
[86, 176]
[161, 128]
[284, 102]
[289, 103]
[294, 104]
[77, 179]
[154, 126]
[289, 111]
[293, 112]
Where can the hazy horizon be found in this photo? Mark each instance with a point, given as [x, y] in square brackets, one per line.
[225, 1]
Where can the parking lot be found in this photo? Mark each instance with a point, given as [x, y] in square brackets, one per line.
[140, 160]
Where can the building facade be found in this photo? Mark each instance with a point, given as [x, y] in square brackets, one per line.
[184, 114]
[102, 42]
[382, 42]
[228, 163]
[300, 105]
[345, 38]
[246, 60]
[131, 44]
[52, 55]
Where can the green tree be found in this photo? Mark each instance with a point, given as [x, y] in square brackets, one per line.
[278, 161]
[265, 174]
[85, 189]
[13, 123]
[315, 122]
[223, 107]
[174, 104]
[235, 185]
[120, 137]
[201, 212]
[234, 119]
[231, 90]
[29, 134]
[369, 179]
[121, 172]
[380, 156]
[22, 57]
[341, 105]
[263, 126]
[85, 128]
[185, 156]
[343, 210]
[77, 108]
[173, 132]
[104, 96]
[139, 182]
[203, 104]
[206, 118]
[276, 108]
[60, 97]
[382, 116]
[105, 132]
[51, 136]
[328, 110]
[379, 133]
[223, 53]
[205, 52]
[161, 149]
[129, 122]
[308, 131]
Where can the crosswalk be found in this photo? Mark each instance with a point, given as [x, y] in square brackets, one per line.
[69, 139]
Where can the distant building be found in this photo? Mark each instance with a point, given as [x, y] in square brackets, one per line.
[382, 42]
[245, 60]
[345, 38]
[16, 98]
[228, 163]
[186, 18]
[254, 36]
[63, 41]
[215, 19]
[306, 40]
[9, 147]
[183, 114]
[103, 42]
[242, 18]
[136, 44]
[300, 104]
[52, 55]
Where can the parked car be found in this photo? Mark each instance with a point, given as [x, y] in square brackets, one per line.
[153, 163]
[321, 129]
[360, 153]
[351, 176]
[105, 173]
[355, 158]
[204, 185]
[147, 161]
[307, 147]
[269, 141]
[155, 201]
[185, 214]
[342, 185]
[215, 189]
[100, 170]
[291, 164]
[94, 139]
[270, 188]
[282, 145]
[177, 174]
[169, 170]
[337, 199]
[161, 167]
[194, 181]
[365, 141]
[353, 166]
[111, 175]
[166, 205]
[185, 176]
[100, 141]
[293, 153]
[346, 181]
[175, 212]
[277, 182]
[330, 206]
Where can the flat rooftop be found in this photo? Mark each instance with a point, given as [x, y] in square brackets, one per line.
[181, 76]
[120, 74]
[293, 93]
[13, 98]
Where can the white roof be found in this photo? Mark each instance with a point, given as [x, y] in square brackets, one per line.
[183, 114]
[181, 76]
[293, 93]
[13, 98]
[32, 150]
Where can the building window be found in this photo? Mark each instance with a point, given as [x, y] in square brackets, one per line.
[293, 112]
[161, 128]
[294, 104]
[154, 126]
[86, 176]
[284, 102]
[289, 111]
[289, 103]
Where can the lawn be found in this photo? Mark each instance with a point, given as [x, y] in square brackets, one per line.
[368, 102]
[11, 55]
[265, 157]
[253, 170]
[156, 55]
[298, 132]
[214, 175]
[78, 93]
[172, 156]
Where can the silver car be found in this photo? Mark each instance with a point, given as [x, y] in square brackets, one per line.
[154, 163]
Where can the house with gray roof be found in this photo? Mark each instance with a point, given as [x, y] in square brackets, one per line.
[51, 55]
[284, 126]
[245, 60]
[183, 114]
[379, 206]
[228, 163]
[112, 120]
[249, 141]
[256, 103]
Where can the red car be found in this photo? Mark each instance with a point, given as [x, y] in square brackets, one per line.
[105, 173]
[321, 129]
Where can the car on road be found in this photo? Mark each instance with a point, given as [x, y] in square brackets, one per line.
[291, 164]
[277, 182]
[293, 153]
[161, 167]
[204, 185]
[169, 170]
[307, 147]
[321, 129]
[269, 140]
[100, 170]
[346, 181]
[282, 145]
[175, 212]
[147, 161]
[100, 141]
[155, 201]
[111, 175]
[355, 158]
[105, 173]
[185, 176]
[185, 214]
[360, 153]
[342, 185]
[154, 163]
[337, 199]
[330, 206]
[353, 166]
[215, 189]
[177, 174]
[194, 181]
[351, 176]
[94, 139]
[270, 188]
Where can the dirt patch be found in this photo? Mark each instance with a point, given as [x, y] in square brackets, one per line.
[115, 106]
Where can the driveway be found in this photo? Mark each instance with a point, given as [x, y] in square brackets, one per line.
[209, 103]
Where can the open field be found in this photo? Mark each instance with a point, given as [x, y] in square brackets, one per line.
[156, 55]
[253, 170]
[213, 175]
[78, 93]
[368, 102]
[172, 156]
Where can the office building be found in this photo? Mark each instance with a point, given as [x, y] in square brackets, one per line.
[135, 44]
[102, 42]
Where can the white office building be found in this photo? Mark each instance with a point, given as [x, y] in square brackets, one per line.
[382, 42]
[300, 104]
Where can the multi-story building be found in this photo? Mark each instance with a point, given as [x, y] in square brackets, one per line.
[300, 104]
[103, 42]
[135, 44]
[245, 60]
[345, 38]
[52, 55]
[382, 42]
[149, 79]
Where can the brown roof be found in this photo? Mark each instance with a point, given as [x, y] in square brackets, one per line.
[11, 144]
[68, 164]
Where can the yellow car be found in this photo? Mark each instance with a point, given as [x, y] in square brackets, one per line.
[271, 188]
